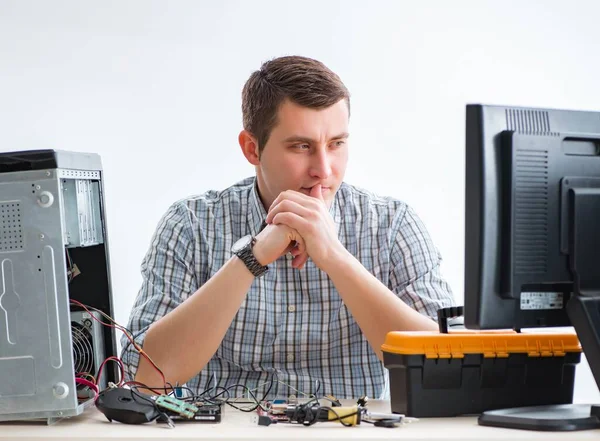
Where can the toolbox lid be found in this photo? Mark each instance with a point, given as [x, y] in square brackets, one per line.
[494, 344]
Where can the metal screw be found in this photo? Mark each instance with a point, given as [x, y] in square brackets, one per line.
[60, 390]
[37, 187]
[48, 173]
[42, 237]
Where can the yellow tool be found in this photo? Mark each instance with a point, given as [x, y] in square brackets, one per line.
[345, 414]
[307, 415]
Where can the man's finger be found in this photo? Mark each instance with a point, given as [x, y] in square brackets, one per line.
[287, 205]
[292, 195]
[299, 261]
[317, 192]
[293, 221]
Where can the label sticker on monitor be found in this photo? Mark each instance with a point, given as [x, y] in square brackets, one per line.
[542, 300]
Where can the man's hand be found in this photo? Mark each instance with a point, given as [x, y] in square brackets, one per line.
[309, 216]
[276, 240]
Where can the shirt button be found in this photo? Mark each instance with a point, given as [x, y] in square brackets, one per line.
[291, 308]
[290, 357]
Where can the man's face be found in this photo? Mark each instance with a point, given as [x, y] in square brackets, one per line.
[306, 147]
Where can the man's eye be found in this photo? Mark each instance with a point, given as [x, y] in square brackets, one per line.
[302, 146]
[339, 143]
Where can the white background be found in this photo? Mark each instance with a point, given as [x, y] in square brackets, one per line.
[154, 87]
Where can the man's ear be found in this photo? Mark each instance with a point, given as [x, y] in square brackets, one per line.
[249, 146]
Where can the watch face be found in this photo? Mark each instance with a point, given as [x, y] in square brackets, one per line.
[241, 243]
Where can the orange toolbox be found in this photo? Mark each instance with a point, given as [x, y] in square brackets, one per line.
[435, 374]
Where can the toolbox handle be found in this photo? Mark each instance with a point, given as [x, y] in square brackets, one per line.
[445, 314]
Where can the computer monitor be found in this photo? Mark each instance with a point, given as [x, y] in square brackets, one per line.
[532, 221]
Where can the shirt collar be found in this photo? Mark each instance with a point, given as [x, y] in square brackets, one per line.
[257, 213]
[336, 208]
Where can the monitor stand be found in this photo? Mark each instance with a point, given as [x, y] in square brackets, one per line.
[584, 313]
[558, 417]
[583, 309]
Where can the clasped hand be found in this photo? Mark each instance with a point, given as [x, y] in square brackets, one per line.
[309, 217]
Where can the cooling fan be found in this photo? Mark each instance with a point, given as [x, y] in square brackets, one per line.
[88, 349]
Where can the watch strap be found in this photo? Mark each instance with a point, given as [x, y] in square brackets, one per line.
[247, 256]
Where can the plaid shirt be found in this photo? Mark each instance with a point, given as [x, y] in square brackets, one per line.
[292, 322]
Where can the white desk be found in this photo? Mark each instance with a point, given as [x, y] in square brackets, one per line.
[92, 425]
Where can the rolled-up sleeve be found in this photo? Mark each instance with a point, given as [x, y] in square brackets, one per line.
[168, 279]
[415, 266]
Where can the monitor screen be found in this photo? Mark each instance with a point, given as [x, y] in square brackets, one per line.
[528, 172]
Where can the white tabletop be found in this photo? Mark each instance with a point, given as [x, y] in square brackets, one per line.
[92, 425]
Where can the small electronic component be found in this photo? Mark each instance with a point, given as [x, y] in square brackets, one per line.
[264, 420]
[272, 412]
[207, 413]
[278, 407]
[383, 419]
[175, 405]
[312, 412]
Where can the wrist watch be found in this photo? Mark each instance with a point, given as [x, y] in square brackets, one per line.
[243, 249]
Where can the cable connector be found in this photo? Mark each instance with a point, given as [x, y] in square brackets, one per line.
[264, 420]
[362, 401]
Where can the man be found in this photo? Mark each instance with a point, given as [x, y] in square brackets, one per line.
[311, 295]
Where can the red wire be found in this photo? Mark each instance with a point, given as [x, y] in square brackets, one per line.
[89, 384]
[122, 368]
[129, 337]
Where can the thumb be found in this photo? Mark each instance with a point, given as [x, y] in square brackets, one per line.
[316, 192]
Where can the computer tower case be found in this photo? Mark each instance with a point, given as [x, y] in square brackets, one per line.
[53, 249]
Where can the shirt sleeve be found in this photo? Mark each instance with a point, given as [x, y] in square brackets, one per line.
[168, 277]
[415, 267]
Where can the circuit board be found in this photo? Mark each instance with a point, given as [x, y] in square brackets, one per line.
[206, 413]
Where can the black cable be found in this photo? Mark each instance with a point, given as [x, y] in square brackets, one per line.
[305, 413]
[338, 418]
[139, 385]
[161, 412]
[172, 388]
[383, 423]
[256, 401]
[190, 391]
[213, 399]
[308, 414]
[273, 376]
[135, 393]
[318, 386]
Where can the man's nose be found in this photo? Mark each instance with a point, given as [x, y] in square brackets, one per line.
[321, 165]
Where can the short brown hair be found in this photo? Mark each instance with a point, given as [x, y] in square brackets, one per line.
[302, 80]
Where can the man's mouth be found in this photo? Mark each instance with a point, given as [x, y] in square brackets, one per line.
[307, 190]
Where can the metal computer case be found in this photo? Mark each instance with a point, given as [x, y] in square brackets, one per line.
[53, 248]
